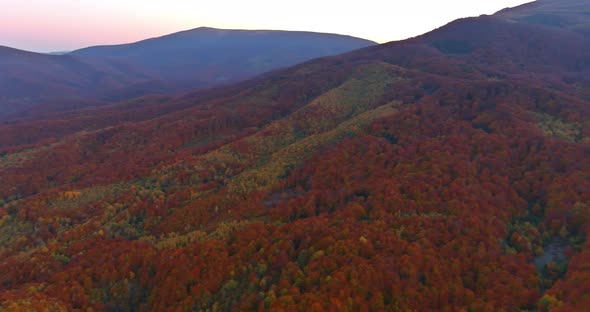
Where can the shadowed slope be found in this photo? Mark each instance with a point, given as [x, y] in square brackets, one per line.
[208, 56]
[32, 83]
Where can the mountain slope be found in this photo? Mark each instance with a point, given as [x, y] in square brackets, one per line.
[555, 56]
[416, 175]
[28, 78]
[572, 15]
[181, 61]
[208, 56]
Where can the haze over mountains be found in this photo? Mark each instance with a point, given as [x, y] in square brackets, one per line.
[445, 172]
[28, 79]
[182, 61]
[209, 56]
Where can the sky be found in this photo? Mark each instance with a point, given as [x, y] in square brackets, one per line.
[64, 25]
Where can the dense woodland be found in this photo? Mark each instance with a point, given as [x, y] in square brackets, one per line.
[411, 176]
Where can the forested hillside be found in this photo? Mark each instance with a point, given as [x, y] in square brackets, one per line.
[448, 172]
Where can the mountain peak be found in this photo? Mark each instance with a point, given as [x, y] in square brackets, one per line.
[183, 61]
[565, 14]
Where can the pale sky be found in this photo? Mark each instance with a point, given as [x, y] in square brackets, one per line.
[62, 25]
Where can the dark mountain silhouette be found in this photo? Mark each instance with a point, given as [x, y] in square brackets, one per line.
[181, 61]
[209, 56]
[447, 172]
[28, 79]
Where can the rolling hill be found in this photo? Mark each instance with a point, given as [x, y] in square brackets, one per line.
[208, 56]
[28, 79]
[31, 82]
[445, 172]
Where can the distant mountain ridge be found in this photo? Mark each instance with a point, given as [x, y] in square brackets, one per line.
[207, 56]
[182, 61]
[28, 79]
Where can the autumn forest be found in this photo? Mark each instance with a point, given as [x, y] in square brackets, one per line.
[447, 172]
